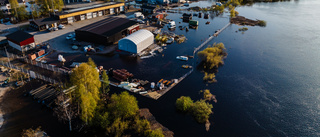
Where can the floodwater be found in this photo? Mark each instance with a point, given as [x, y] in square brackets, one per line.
[269, 85]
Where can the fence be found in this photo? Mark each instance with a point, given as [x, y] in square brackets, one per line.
[47, 66]
[36, 75]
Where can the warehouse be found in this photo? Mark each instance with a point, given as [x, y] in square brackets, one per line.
[21, 40]
[136, 42]
[106, 31]
[84, 13]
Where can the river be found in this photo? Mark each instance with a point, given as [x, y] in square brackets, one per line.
[269, 85]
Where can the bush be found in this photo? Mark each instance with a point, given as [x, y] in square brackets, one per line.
[262, 23]
[201, 111]
[243, 29]
[184, 104]
[213, 55]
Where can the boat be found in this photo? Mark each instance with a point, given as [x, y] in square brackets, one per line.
[206, 15]
[194, 22]
[200, 15]
[172, 25]
[208, 22]
[182, 58]
[186, 66]
[170, 40]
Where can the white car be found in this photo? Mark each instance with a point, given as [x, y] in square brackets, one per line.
[55, 29]
[61, 26]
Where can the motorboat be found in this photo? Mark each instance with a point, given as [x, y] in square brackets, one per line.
[182, 58]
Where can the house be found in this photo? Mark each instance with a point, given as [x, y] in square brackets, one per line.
[161, 2]
[21, 40]
[186, 17]
[158, 16]
[148, 9]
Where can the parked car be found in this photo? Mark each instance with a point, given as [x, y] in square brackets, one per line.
[55, 28]
[61, 26]
[71, 36]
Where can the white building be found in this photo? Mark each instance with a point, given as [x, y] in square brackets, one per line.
[136, 42]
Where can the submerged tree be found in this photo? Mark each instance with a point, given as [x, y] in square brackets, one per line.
[201, 111]
[213, 55]
[32, 132]
[184, 104]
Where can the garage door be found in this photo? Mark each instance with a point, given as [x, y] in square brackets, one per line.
[82, 17]
[112, 11]
[121, 8]
[89, 15]
[100, 13]
[70, 20]
[94, 14]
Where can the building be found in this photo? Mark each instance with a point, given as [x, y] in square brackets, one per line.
[148, 9]
[178, 1]
[106, 31]
[136, 42]
[163, 1]
[158, 16]
[84, 13]
[44, 23]
[5, 5]
[21, 40]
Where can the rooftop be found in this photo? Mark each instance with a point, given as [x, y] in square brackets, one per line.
[43, 21]
[87, 8]
[19, 36]
[109, 26]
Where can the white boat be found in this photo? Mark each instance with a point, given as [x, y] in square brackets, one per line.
[170, 40]
[182, 58]
[171, 24]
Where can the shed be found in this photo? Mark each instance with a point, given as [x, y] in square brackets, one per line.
[136, 42]
[44, 23]
[21, 40]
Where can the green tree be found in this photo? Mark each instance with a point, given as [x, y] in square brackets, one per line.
[201, 111]
[206, 94]
[32, 132]
[105, 82]
[22, 13]
[50, 5]
[184, 103]
[86, 78]
[154, 133]
[117, 128]
[123, 105]
[14, 5]
[213, 55]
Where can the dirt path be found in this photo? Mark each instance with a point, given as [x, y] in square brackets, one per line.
[3, 90]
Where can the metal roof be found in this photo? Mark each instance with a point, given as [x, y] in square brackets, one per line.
[109, 26]
[139, 36]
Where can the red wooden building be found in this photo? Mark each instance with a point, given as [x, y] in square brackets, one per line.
[21, 40]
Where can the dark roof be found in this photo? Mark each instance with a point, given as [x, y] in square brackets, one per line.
[109, 26]
[19, 36]
[44, 21]
[148, 7]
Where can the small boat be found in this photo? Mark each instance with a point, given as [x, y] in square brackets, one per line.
[170, 40]
[208, 22]
[186, 66]
[182, 58]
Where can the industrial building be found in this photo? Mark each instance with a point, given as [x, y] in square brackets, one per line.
[21, 40]
[136, 42]
[107, 31]
[84, 13]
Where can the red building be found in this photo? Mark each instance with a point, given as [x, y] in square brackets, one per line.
[157, 16]
[21, 40]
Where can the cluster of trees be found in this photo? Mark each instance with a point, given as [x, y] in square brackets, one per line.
[116, 115]
[213, 55]
[38, 7]
[200, 109]
[33, 132]
[262, 23]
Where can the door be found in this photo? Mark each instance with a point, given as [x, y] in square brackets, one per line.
[89, 15]
[94, 14]
[82, 17]
[112, 11]
[100, 13]
[70, 20]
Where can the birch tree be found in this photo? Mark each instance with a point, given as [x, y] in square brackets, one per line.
[65, 110]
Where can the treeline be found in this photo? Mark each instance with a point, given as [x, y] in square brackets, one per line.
[115, 115]
[38, 8]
